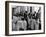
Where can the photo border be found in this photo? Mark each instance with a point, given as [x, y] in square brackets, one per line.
[7, 17]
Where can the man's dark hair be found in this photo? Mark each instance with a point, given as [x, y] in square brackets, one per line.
[22, 18]
[25, 11]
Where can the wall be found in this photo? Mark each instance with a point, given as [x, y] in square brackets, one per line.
[2, 19]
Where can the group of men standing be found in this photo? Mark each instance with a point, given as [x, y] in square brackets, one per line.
[33, 20]
[27, 21]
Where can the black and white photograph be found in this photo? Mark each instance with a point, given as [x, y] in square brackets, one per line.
[25, 18]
